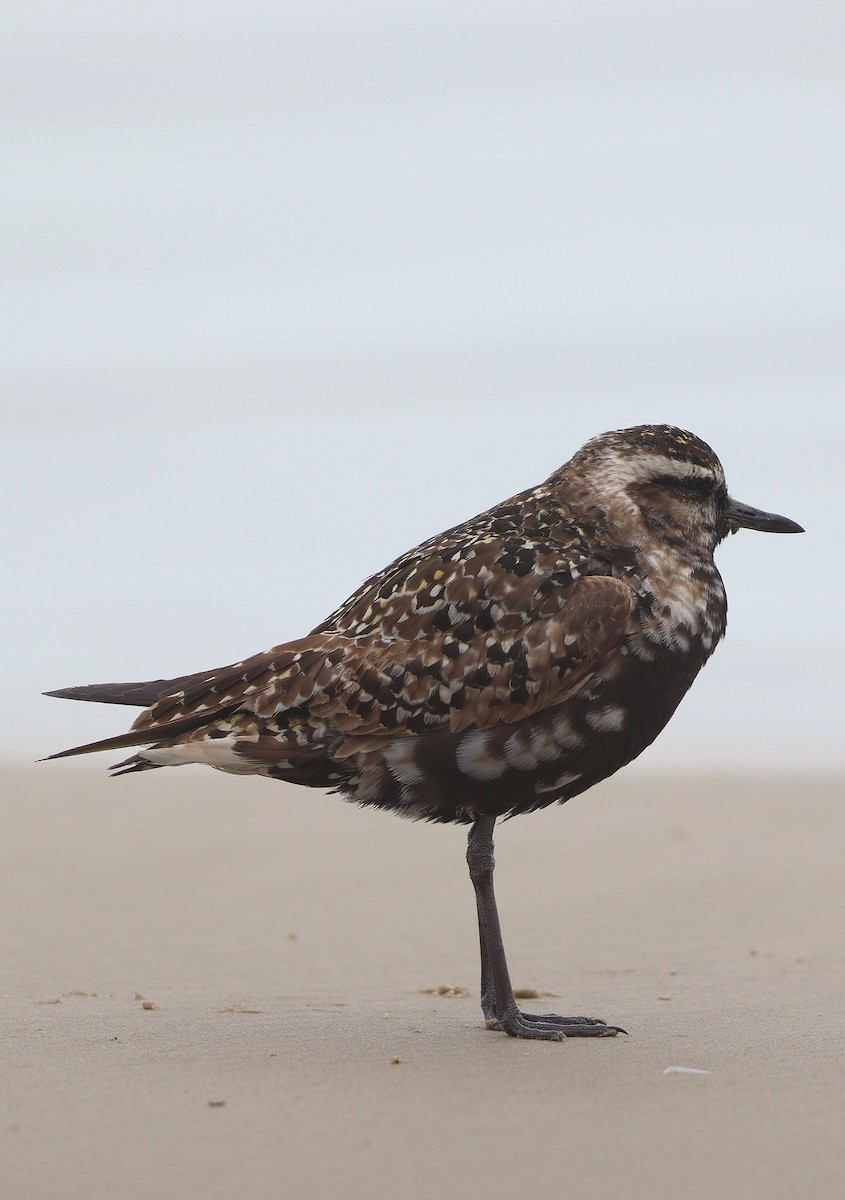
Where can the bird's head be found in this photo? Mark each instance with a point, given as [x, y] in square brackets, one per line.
[668, 481]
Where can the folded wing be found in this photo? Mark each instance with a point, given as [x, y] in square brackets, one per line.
[334, 694]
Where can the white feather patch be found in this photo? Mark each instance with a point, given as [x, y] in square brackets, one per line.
[519, 754]
[564, 734]
[211, 752]
[607, 720]
[400, 760]
[474, 759]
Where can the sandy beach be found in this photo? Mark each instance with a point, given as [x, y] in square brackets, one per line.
[216, 987]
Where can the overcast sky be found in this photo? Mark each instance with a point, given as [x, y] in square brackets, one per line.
[286, 288]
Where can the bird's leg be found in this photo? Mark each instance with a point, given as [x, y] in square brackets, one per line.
[488, 992]
[497, 999]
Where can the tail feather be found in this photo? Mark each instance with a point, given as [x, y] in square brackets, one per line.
[151, 733]
[141, 695]
[130, 765]
[162, 695]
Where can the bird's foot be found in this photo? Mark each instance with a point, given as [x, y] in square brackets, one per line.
[551, 1027]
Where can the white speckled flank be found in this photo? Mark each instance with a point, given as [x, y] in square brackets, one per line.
[564, 735]
[610, 719]
[400, 761]
[474, 758]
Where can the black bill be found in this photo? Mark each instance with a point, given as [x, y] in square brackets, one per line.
[743, 516]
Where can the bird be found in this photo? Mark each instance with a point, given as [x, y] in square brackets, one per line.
[509, 663]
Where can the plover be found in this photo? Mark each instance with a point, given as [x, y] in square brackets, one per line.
[507, 664]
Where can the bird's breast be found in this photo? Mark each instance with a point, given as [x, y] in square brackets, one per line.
[681, 606]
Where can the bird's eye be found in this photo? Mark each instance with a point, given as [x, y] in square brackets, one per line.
[687, 485]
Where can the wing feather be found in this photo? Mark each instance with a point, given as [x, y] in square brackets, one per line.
[359, 690]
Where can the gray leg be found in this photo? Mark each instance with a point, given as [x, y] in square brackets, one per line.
[488, 992]
[497, 999]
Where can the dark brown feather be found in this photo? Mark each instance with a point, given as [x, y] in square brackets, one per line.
[137, 695]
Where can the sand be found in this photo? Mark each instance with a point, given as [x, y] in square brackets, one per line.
[218, 987]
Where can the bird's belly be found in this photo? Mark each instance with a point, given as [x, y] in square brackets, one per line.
[548, 757]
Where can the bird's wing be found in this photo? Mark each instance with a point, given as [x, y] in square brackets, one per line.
[498, 677]
[469, 579]
[353, 688]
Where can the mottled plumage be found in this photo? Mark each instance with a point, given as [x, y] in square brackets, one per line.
[508, 663]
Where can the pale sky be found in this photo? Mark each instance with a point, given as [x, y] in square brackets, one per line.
[287, 288]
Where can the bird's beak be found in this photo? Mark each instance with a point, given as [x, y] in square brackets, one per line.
[743, 516]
